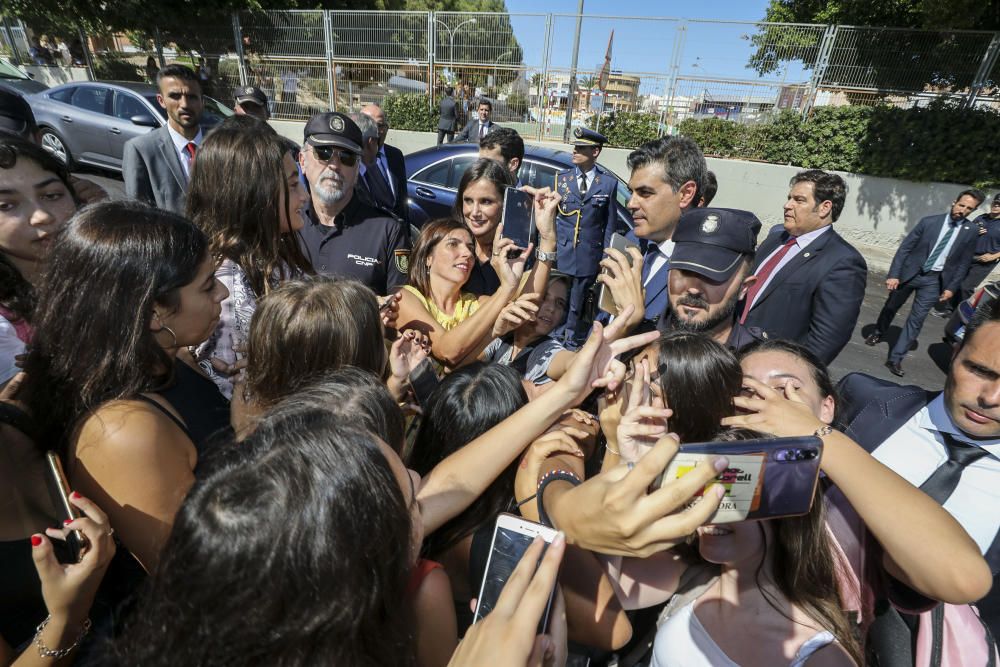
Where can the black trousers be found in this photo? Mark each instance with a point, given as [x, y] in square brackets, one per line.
[446, 133]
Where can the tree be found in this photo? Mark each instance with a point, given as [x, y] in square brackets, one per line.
[867, 58]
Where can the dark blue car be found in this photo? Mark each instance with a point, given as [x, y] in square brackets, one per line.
[433, 174]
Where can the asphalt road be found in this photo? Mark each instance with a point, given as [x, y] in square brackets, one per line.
[924, 366]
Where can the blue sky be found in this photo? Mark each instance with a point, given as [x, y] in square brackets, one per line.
[709, 50]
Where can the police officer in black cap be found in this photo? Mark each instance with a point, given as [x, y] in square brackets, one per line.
[251, 101]
[345, 235]
[710, 273]
[584, 225]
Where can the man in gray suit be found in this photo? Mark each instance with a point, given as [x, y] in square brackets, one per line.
[157, 166]
[448, 117]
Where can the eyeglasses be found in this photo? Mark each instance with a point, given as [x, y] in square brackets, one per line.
[325, 153]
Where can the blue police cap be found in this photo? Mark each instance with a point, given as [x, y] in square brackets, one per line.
[584, 137]
[711, 241]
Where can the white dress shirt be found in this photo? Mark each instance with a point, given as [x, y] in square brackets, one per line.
[801, 242]
[180, 146]
[660, 260]
[917, 449]
[945, 227]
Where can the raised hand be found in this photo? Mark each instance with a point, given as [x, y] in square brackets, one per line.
[517, 312]
[645, 418]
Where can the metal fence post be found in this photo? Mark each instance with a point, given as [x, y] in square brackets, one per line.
[675, 65]
[331, 66]
[431, 49]
[87, 55]
[571, 93]
[985, 67]
[542, 92]
[238, 41]
[819, 71]
[15, 54]
[158, 47]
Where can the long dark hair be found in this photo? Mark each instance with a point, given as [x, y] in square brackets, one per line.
[299, 556]
[484, 168]
[805, 564]
[235, 198]
[16, 294]
[699, 378]
[466, 404]
[92, 340]
[307, 327]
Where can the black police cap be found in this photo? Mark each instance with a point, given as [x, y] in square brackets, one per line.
[334, 129]
[711, 241]
[250, 94]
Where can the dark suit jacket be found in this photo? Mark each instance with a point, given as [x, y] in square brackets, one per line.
[471, 131]
[152, 171]
[585, 222]
[449, 114]
[917, 246]
[815, 299]
[397, 171]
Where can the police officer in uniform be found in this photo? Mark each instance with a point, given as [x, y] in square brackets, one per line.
[710, 273]
[584, 225]
[345, 235]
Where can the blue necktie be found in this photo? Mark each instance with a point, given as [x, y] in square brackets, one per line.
[647, 260]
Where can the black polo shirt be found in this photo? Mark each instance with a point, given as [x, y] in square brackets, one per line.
[366, 244]
[740, 336]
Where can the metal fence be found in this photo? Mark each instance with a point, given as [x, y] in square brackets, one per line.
[541, 70]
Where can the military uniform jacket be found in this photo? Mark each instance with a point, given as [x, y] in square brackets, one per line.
[585, 222]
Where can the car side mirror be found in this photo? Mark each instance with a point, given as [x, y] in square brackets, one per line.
[144, 120]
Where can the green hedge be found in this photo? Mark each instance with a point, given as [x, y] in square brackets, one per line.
[938, 143]
[408, 111]
[626, 129]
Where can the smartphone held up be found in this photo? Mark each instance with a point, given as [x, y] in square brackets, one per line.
[518, 218]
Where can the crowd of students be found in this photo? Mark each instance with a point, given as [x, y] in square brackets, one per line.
[258, 480]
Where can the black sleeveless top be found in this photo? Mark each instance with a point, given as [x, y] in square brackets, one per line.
[197, 400]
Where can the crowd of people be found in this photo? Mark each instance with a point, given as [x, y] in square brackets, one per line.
[289, 421]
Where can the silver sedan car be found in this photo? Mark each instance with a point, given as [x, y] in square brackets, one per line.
[88, 122]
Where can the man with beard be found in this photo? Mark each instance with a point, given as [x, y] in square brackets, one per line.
[343, 235]
[156, 167]
[709, 274]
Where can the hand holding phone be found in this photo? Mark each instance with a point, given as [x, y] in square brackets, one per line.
[518, 217]
[59, 493]
[606, 301]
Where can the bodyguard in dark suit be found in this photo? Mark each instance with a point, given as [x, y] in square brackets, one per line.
[584, 225]
[946, 443]
[810, 281]
[390, 162]
[480, 126]
[156, 166]
[931, 264]
[448, 116]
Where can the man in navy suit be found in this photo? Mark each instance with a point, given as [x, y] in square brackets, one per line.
[947, 443]
[448, 116]
[810, 281]
[390, 162]
[480, 126]
[584, 225]
[666, 178]
[931, 264]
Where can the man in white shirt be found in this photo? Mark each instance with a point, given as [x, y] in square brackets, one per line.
[931, 263]
[156, 167]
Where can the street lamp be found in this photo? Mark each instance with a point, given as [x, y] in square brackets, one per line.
[451, 37]
[496, 65]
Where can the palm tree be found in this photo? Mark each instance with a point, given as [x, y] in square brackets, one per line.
[587, 83]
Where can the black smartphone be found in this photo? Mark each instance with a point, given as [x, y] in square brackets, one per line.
[518, 217]
[605, 301]
[767, 478]
[71, 550]
[423, 381]
[511, 538]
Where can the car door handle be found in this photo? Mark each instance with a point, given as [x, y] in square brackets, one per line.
[66, 119]
[425, 192]
[115, 130]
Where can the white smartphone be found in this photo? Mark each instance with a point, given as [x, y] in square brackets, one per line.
[511, 538]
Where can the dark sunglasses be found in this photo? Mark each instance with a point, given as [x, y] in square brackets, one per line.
[324, 153]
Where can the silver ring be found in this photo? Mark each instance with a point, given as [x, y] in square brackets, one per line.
[111, 532]
[630, 465]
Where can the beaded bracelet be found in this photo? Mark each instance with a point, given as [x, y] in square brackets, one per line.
[548, 478]
[46, 652]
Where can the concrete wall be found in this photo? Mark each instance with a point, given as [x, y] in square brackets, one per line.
[877, 214]
[53, 76]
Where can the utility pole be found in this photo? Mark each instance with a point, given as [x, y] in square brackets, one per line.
[572, 75]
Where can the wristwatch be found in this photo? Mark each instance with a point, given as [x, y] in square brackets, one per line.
[543, 256]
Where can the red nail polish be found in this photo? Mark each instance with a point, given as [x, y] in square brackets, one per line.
[66, 522]
[36, 540]
[76, 495]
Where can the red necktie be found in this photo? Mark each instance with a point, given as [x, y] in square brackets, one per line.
[763, 274]
[190, 148]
